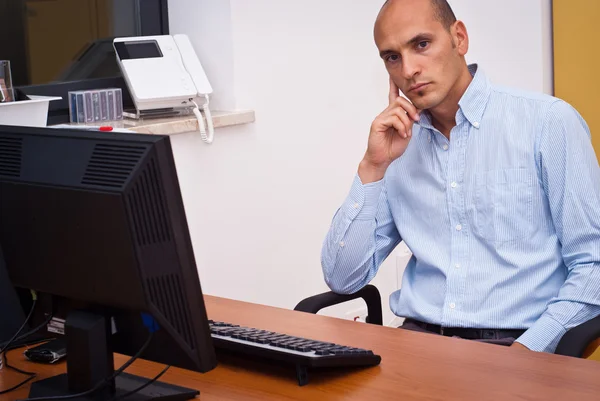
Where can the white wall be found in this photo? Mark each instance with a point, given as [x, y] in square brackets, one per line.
[260, 199]
[208, 24]
[548, 47]
[510, 38]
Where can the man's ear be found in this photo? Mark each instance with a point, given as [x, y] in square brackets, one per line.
[460, 37]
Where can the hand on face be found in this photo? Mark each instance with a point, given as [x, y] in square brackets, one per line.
[389, 136]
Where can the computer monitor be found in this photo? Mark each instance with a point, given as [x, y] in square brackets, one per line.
[97, 220]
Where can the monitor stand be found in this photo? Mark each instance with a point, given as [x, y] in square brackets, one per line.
[90, 360]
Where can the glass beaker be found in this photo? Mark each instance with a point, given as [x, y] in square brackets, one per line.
[7, 93]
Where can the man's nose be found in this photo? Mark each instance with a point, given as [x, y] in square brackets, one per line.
[409, 68]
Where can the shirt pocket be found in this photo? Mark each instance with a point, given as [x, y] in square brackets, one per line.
[504, 205]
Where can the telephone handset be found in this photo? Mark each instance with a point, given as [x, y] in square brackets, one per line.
[163, 72]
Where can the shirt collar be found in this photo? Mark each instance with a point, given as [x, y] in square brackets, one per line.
[473, 102]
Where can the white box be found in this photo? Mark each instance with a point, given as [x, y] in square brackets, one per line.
[29, 113]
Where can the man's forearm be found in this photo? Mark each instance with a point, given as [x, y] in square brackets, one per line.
[569, 171]
[564, 313]
[361, 235]
[348, 263]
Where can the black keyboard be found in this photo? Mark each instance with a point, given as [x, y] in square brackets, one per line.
[304, 353]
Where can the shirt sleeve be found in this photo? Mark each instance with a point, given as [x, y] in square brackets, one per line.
[361, 236]
[571, 180]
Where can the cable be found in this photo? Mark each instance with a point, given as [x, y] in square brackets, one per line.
[209, 121]
[143, 386]
[32, 375]
[103, 383]
[28, 343]
[202, 126]
[6, 347]
[30, 332]
[13, 388]
[8, 365]
[14, 337]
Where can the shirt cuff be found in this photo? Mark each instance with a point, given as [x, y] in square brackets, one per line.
[363, 199]
[543, 336]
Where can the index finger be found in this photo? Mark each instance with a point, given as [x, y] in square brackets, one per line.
[394, 92]
[409, 108]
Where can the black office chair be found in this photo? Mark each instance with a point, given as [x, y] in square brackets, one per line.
[573, 343]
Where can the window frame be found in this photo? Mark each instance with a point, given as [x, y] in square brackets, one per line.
[154, 20]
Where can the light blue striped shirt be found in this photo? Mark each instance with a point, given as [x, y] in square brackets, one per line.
[503, 219]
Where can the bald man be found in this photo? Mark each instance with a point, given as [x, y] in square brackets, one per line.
[494, 190]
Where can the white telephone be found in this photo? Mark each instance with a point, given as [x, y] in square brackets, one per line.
[164, 73]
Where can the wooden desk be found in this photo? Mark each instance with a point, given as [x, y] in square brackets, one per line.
[414, 366]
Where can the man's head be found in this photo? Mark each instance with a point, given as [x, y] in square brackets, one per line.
[423, 48]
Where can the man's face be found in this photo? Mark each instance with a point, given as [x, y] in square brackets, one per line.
[419, 53]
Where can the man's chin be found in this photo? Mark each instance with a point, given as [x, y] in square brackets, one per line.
[421, 103]
[425, 102]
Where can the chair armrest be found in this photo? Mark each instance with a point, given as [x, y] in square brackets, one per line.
[577, 339]
[369, 293]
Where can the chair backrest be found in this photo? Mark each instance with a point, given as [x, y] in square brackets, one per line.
[593, 351]
[581, 341]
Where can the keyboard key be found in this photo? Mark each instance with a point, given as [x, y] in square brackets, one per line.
[329, 349]
[275, 337]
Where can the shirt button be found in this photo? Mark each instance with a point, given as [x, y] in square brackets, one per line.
[342, 244]
[476, 124]
[445, 147]
[429, 138]
[356, 205]
[458, 227]
[457, 266]
[452, 305]
[454, 185]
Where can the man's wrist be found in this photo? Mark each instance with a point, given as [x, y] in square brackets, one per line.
[369, 172]
[544, 335]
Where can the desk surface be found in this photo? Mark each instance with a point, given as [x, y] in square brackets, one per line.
[414, 366]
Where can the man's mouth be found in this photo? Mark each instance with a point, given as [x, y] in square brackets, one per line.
[418, 86]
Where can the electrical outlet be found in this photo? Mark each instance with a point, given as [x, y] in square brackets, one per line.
[358, 315]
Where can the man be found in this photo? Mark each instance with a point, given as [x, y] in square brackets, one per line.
[495, 191]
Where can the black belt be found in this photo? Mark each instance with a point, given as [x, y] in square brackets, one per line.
[469, 334]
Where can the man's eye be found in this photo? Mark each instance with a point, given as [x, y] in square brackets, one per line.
[423, 44]
[393, 58]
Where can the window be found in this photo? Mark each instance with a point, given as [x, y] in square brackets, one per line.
[56, 46]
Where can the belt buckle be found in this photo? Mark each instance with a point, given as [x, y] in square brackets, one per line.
[442, 330]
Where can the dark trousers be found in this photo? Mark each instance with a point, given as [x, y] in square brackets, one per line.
[490, 336]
